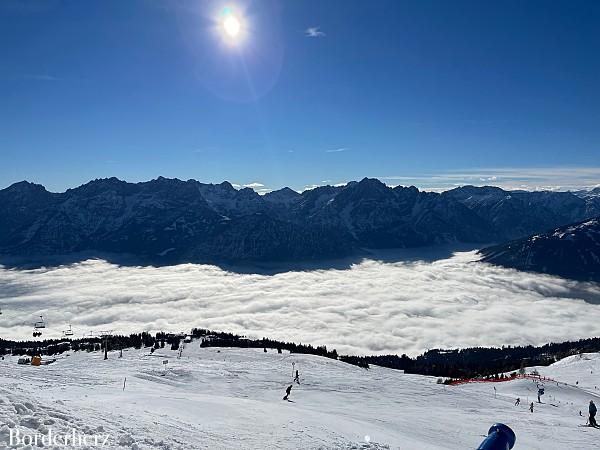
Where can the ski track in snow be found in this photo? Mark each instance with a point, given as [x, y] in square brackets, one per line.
[231, 399]
[371, 307]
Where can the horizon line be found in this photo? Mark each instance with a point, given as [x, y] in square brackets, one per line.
[262, 190]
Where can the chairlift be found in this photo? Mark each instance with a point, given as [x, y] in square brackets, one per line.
[37, 326]
[40, 323]
[68, 332]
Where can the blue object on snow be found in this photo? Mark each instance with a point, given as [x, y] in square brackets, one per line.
[500, 437]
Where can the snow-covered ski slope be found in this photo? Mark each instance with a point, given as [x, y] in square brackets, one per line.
[232, 399]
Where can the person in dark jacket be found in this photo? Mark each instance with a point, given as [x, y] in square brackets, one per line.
[593, 411]
[287, 392]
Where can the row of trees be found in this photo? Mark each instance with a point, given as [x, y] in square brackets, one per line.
[464, 363]
[481, 361]
[217, 339]
[50, 347]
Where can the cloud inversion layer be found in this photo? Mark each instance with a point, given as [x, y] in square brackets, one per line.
[373, 307]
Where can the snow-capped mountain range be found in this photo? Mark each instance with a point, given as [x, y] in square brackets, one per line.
[176, 221]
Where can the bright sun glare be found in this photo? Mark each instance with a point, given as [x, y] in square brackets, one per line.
[231, 25]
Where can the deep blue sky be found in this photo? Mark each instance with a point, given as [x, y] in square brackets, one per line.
[430, 93]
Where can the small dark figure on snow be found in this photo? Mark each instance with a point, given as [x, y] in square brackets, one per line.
[593, 411]
[297, 377]
[518, 402]
[531, 407]
[287, 392]
[265, 350]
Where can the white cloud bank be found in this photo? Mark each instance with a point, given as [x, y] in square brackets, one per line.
[373, 307]
[255, 185]
[531, 179]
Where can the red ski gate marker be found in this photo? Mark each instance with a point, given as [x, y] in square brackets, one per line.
[499, 380]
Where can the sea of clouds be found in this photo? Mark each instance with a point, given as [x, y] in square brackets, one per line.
[370, 307]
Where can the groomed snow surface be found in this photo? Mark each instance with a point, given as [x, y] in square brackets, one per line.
[232, 399]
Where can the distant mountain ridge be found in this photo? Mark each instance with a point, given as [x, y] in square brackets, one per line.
[189, 221]
[572, 251]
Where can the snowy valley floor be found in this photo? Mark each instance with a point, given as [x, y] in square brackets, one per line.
[232, 399]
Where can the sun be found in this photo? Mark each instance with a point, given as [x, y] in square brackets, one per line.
[231, 24]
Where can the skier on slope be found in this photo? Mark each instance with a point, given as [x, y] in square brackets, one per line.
[540, 392]
[531, 407]
[518, 401]
[287, 392]
[297, 377]
[592, 411]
